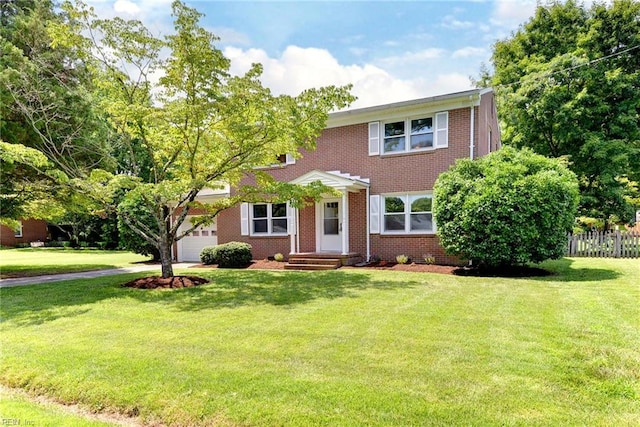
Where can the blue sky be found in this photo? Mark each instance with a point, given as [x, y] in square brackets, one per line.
[389, 51]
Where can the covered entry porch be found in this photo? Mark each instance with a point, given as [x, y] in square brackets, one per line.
[323, 231]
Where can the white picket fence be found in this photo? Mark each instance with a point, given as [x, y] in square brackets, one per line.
[604, 244]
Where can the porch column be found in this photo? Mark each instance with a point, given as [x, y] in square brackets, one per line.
[293, 228]
[345, 222]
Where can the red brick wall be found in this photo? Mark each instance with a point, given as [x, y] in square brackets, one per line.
[346, 149]
[33, 230]
[487, 123]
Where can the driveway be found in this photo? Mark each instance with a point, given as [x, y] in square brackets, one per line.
[49, 278]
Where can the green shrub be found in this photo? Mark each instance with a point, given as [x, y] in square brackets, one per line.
[402, 259]
[429, 259]
[233, 254]
[508, 208]
[207, 255]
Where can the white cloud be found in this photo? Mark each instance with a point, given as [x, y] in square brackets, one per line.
[511, 13]
[126, 7]
[451, 22]
[302, 68]
[408, 58]
[469, 51]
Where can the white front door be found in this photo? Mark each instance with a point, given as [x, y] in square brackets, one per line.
[330, 225]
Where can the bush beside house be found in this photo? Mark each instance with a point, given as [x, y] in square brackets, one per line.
[509, 208]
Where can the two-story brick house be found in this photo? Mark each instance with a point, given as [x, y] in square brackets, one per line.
[383, 162]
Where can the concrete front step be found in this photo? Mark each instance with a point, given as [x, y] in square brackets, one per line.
[351, 258]
[304, 263]
[320, 261]
[289, 266]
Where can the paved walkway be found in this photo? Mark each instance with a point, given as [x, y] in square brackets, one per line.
[49, 278]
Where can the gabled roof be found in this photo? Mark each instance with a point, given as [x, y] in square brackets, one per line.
[333, 179]
[407, 108]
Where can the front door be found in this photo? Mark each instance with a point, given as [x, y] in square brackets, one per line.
[330, 225]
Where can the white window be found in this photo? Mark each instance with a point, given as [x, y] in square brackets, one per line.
[407, 213]
[415, 134]
[18, 230]
[285, 159]
[268, 219]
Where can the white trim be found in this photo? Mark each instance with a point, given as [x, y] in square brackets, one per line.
[398, 110]
[297, 247]
[471, 132]
[269, 218]
[440, 132]
[292, 227]
[407, 213]
[290, 159]
[320, 222]
[343, 227]
[333, 179]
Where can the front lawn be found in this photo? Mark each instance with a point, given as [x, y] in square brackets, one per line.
[36, 261]
[345, 347]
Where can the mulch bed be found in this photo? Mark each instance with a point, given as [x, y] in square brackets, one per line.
[157, 282]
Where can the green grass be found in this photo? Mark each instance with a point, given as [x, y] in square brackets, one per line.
[346, 347]
[19, 410]
[37, 261]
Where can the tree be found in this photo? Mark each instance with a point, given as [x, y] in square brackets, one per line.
[568, 84]
[186, 124]
[511, 207]
[45, 107]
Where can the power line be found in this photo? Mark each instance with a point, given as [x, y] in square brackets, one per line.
[551, 73]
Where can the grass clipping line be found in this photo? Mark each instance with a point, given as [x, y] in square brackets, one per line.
[157, 282]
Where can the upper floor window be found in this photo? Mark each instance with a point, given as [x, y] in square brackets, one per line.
[413, 134]
[269, 219]
[408, 213]
[408, 135]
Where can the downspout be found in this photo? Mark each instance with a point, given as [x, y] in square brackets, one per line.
[471, 129]
[367, 231]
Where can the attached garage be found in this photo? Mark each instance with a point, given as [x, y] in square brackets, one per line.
[190, 246]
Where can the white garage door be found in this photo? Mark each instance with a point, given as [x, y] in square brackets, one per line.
[189, 247]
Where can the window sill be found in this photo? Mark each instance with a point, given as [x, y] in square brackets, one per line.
[273, 166]
[411, 234]
[261, 236]
[412, 153]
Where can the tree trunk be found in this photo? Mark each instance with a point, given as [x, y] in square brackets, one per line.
[165, 259]
[166, 241]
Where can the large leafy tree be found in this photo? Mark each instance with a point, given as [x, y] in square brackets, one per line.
[186, 124]
[568, 84]
[46, 108]
[511, 207]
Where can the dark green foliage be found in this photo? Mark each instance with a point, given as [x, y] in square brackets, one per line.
[568, 84]
[511, 207]
[207, 255]
[233, 254]
[133, 206]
